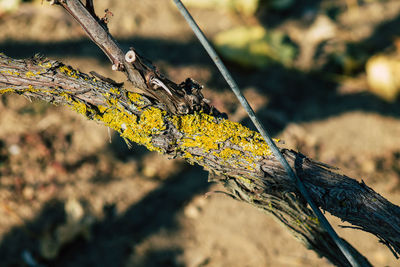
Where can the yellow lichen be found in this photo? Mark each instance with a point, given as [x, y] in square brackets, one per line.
[135, 98]
[79, 107]
[6, 90]
[10, 72]
[30, 88]
[46, 65]
[187, 155]
[64, 69]
[211, 135]
[30, 74]
[66, 96]
[250, 166]
[70, 72]
[228, 141]
[227, 153]
[248, 181]
[152, 120]
[115, 90]
[101, 108]
[150, 123]
[136, 129]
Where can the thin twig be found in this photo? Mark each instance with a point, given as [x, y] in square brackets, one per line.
[99, 35]
[179, 99]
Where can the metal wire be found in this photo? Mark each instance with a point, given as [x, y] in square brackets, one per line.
[229, 79]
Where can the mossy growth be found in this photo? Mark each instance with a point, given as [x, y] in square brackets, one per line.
[136, 129]
[69, 71]
[229, 142]
[214, 134]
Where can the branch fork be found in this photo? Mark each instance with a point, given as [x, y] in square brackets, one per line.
[181, 99]
[180, 133]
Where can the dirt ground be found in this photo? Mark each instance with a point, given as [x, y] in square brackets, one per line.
[73, 194]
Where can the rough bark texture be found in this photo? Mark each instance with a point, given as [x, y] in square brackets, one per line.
[182, 124]
[179, 99]
[235, 156]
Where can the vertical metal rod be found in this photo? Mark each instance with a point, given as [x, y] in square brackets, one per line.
[229, 79]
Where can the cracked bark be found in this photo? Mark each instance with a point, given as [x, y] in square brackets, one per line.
[264, 185]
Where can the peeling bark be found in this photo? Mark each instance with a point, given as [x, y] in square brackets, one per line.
[177, 121]
[234, 155]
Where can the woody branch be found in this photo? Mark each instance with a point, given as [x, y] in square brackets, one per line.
[234, 155]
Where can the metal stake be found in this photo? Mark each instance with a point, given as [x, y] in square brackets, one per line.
[243, 101]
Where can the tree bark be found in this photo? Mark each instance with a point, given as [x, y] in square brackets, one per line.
[234, 155]
[177, 121]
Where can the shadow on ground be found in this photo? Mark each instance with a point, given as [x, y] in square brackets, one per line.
[113, 238]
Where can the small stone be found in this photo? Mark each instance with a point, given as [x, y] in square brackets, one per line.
[368, 166]
[28, 193]
[192, 212]
[14, 150]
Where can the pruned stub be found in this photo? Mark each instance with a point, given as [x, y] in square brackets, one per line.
[195, 100]
[182, 99]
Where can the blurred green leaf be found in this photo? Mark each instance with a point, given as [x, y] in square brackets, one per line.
[255, 47]
[383, 76]
[9, 5]
[245, 7]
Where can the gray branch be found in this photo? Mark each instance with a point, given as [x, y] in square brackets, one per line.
[264, 185]
[248, 174]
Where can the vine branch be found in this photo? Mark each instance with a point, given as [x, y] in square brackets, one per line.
[234, 155]
[183, 124]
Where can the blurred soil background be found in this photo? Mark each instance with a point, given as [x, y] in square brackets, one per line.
[323, 75]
